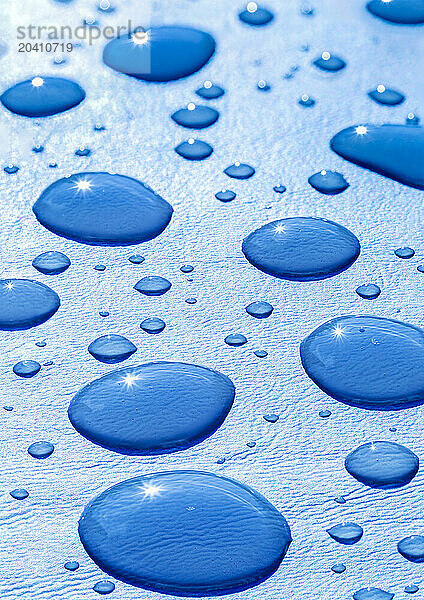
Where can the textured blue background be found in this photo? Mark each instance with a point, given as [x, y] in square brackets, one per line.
[298, 462]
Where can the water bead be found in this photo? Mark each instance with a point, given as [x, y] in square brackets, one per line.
[372, 593]
[329, 62]
[153, 325]
[153, 285]
[386, 96]
[412, 119]
[111, 348]
[102, 209]
[279, 189]
[260, 309]
[404, 12]
[161, 54]
[366, 361]
[51, 263]
[26, 368]
[324, 414]
[42, 96]
[41, 450]
[225, 195]
[38, 148]
[263, 86]
[255, 15]
[346, 533]
[136, 259]
[104, 313]
[83, 152]
[404, 252]
[235, 340]
[306, 101]
[412, 548]
[340, 568]
[71, 565]
[191, 301]
[195, 117]
[210, 91]
[25, 303]
[186, 269]
[11, 169]
[153, 408]
[271, 418]
[239, 171]
[301, 248]
[194, 149]
[395, 151]
[368, 291]
[411, 589]
[19, 494]
[104, 587]
[260, 353]
[100, 268]
[328, 182]
[185, 533]
[382, 465]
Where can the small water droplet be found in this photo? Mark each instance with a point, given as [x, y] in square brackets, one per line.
[235, 339]
[225, 195]
[152, 325]
[41, 449]
[368, 291]
[328, 182]
[26, 368]
[239, 171]
[404, 252]
[51, 263]
[194, 149]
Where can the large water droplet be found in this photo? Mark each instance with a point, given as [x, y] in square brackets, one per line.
[382, 465]
[26, 368]
[153, 325]
[51, 263]
[161, 54]
[301, 248]
[406, 12]
[102, 209]
[42, 96]
[396, 151]
[346, 533]
[185, 533]
[412, 548]
[386, 96]
[41, 449]
[365, 361]
[19, 494]
[111, 348]
[152, 408]
[372, 593]
[195, 117]
[25, 303]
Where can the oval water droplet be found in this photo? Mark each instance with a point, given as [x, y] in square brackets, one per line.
[368, 291]
[25, 303]
[111, 348]
[306, 101]
[195, 117]
[404, 12]
[153, 285]
[279, 189]
[372, 593]
[51, 263]
[42, 96]
[71, 565]
[136, 259]
[153, 408]
[19, 494]
[255, 15]
[259, 309]
[235, 339]
[194, 149]
[412, 548]
[386, 96]
[329, 62]
[185, 533]
[395, 151]
[26, 368]
[161, 54]
[411, 589]
[41, 449]
[102, 209]
[340, 568]
[328, 182]
[153, 325]
[239, 171]
[104, 587]
[405, 252]
[301, 248]
[225, 195]
[210, 91]
[346, 533]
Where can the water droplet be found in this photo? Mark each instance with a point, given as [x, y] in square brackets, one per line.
[255, 15]
[366, 361]
[161, 54]
[153, 285]
[100, 268]
[25, 303]
[324, 414]
[386, 96]
[307, 11]
[19, 494]
[411, 589]
[280, 189]
[83, 152]
[71, 565]
[136, 259]
[405, 252]
[263, 86]
[382, 465]
[104, 587]
[186, 268]
[102, 209]
[260, 309]
[196, 117]
[235, 339]
[368, 291]
[239, 171]
[104, 313]
[11, 169]
[412, 548]
[260, 353]
[271, 418]
[153, 325]
[251, 444]
[412, 119]
[406, 12]
[372, 593]
[191, 301]
[26, 368]
[38, 148]
[51, 263]
[99, 127]
[149, 516]
[210, 91]
[306, 101]
[340, 500]
[42, 96]
[340, 568]
[41, 449]
[346, 533]
[395, 151]
[329, 62]
[194, 149]
[8, 408]
[111, 348]
[301, 248]
[153, 408]
[225, 195]
[328, 182]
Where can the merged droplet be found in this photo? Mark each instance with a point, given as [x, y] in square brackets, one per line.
[412, 548]
[51, 263]
[329, 62]
[194, 149]
[42, 96]
[161, 54]
[195, 117]
[386, 96]
[328, 182]
[396, 151]
[405, 12]
[111, 348]
[301, 248]
[41, 449]
[372, 593]
[153, 285]
[102, 209]
[239, 171]
[346, 533]
[259, 309]
[152, 408]
[255, 15]
[185, 533]
[25, 303]
[382, 465]
[366, 361]
[26, 368]
[210, 91]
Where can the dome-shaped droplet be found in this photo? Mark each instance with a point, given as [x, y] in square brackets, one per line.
[405, 252]
[405, 12]
[339, 568]
[255, 15]
[104, 587]
[279, 189]
[368, 291]
[185, 533]
[51, 263]
[196, 117]
[25, 303]
[210, 91]
[396, 151]
[259, 309]
[235, 339]
[153, 325]
[111, 348]
[41, 449]
[301, 248]
[136, 259]
[239, 171]
[102, 209]
[71, 565]
[194, 149]
[153, 285]
[160, 54]
[412, 548]
[372, 593]
[42, 96]
[225, 195]
[366, 361]
[152, 408]
[26, 368]
[19, 494]
[346, 533]
[411, 589]
[329, 62]
[328, 182]
[382, 465]
[306, 101]
[386, 96]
